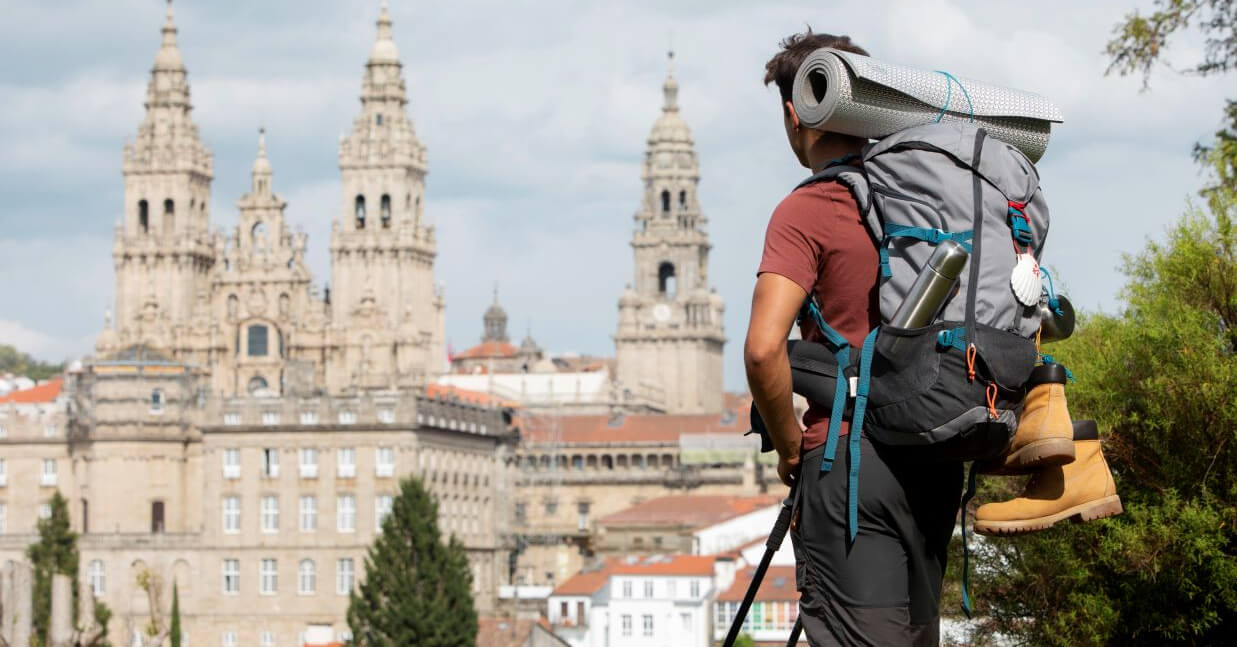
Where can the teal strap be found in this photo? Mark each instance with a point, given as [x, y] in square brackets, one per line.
[950, 80]
[927, 234]
[886, 271]
[856, 430]
[952, 338]
[1019, 227]
[1053, 301]
[841, 351]
[1048, 359]
[966, 551]
[837, 413]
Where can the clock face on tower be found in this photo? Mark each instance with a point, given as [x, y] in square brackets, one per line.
[661, 312]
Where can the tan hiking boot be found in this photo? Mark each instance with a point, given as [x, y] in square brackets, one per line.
[1080, 491]
[1045, 435]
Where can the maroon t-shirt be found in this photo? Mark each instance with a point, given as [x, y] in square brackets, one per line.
[817, 239]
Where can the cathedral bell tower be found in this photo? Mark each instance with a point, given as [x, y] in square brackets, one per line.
[163, 250]
[670, 338]
[386, 313]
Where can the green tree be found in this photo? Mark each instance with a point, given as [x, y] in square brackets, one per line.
[54, 553]
[174, 630]
[417, 590]
[745, 640]
[1161, 379]
[18, 363]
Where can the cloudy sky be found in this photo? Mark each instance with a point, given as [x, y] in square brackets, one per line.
[535, 115]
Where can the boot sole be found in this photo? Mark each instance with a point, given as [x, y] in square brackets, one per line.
[1045, 452]
[1109, 506]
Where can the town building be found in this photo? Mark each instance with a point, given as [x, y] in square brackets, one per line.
[689, 524]
[773, 612]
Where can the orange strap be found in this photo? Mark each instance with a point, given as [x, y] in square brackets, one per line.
[970, 362]
[991, 392]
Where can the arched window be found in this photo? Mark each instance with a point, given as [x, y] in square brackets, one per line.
[233, 306]
[257, 236]
[607, 462]
[665, 201]
[682, 199]
[257, 337]
[257, 383]
[169, 217]
[666, 279]
[384, 211]
[285, 304]
[143, 216]
[360, 212]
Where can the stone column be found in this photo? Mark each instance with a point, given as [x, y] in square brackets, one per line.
[18, 603]
[61, 629]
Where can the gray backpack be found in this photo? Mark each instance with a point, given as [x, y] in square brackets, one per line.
[954, 389]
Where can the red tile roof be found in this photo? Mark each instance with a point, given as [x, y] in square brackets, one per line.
[778, 585]
[592, 429]
[45, 392]
[448, 391]
[508, 632]
[487, 350]
[694, 511]
[590, 581]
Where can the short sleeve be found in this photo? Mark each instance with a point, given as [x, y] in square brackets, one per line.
[792, 241]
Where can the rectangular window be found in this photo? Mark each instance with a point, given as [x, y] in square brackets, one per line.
[266, 639]
[231, 463]
[347, 417]
[270, 463]
[49, 431]
[3, 432]
[231, 515]
[521, 513]
[582, 521]
[307, 578]
[386, 416]
[156, 401]
[648, 625]
[686, 620]
[648, 588]
[382, 508]
[627, 588]
[229, 639]
[626, 624]
[231, 418]
[345, 462]
[309, 513]
[695, 586]
[156, 517]
[270, 514]
[344, 576]
[4, 517]
[345, 513]
[49, 472]
[309, 463]
[257, 341]
[4, 473]
[231, 576]
[670, 588]
[309, 417]
[97, 578]
[268, 577]
[270, 418]
[384, 461]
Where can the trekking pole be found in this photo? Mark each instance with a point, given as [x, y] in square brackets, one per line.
[771, 546]
[794, 633]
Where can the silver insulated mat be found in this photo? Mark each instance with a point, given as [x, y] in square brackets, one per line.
[861, 96]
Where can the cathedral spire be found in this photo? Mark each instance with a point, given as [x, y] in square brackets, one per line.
[168, 57]
[384, 49]
[670, 89]
[261, 171]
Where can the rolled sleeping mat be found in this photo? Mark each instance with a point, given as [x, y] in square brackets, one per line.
[861, 96]
[813, 373]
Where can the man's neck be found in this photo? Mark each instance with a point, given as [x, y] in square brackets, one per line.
[828, 149]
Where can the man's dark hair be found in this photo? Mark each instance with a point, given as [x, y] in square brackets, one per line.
[781, 69]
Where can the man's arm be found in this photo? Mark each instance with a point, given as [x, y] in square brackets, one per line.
[775, 303]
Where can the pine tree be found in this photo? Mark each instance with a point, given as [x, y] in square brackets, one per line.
[417, 590]
[174, 631]
[54, 552]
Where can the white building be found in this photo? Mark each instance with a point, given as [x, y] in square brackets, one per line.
[654, 601]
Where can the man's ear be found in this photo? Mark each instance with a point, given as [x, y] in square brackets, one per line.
[794, 116]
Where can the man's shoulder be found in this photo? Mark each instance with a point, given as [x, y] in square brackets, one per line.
[818, 198]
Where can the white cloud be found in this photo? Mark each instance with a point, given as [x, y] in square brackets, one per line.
[535, 116]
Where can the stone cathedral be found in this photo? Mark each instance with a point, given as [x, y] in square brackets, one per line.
[670, 322]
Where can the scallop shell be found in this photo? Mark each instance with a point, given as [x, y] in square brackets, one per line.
[1025, 280]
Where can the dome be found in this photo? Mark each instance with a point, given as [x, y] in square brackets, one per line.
[629, 297]
[384, 51]
[168, 57]
[261, 165]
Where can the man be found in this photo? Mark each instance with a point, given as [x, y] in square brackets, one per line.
[884, 587]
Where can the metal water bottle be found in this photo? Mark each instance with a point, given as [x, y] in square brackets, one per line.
[928, 294]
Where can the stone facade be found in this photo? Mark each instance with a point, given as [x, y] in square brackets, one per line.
[238, 432]
[670, 323]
